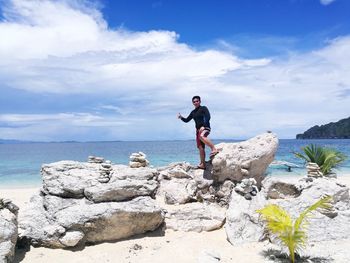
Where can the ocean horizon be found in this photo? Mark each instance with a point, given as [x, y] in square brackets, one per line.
[20, 163]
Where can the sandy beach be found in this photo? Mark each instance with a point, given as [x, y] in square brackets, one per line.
[159, 246]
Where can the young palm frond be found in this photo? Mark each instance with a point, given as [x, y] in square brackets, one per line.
[325, 158]
[280, 224]
[332, 160]
[292, 235]
[312, 153]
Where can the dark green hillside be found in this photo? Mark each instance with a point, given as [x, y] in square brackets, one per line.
[333, 130]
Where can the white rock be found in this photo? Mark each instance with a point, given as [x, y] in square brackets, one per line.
[178, 172]
[71, 238]
[136, 165]
[177, 191]
[196, 217]
[248, 159]
[61, 209]
[8, 234]
[140, 159]
[243, 224]
[120, 190]
[105, 221]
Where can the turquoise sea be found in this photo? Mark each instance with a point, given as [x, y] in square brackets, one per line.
[20, 163]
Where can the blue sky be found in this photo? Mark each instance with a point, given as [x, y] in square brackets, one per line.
[203, 22]
[121, 70]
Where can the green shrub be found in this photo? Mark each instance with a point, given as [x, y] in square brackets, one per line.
[291, 234]
[326, 158]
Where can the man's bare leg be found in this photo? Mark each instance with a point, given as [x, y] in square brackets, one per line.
[202, 157]
[208, 142]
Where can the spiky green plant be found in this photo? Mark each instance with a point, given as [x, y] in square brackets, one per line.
[326, 158]
[291, 234]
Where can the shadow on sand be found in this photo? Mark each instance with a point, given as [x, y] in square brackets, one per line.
[276, 255]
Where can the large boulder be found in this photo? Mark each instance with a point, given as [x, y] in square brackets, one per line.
[244, 225]
[73, 179]
[191, 199]
[8, 230]
[69, 178]
[196, 217]
[120, 190]
[180, 185]
[74, 207]
[247, 159]
[242, 222]
[58, 222]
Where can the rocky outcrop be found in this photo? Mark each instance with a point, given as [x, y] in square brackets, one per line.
[8, 230]
[248, 159]
[99, 201]
[120, 190]
[243, 223]
[191, 199]
[181, 183]
[195, 216]
[71, 179]
[74, 208]
[58, 222]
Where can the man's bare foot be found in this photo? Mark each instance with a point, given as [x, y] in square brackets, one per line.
[201, 166]
[213, 153]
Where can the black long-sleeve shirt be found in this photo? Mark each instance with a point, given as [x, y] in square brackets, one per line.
[201, 117]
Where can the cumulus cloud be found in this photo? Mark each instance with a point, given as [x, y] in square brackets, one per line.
[52, 47]
[134, 83]
[326, 2]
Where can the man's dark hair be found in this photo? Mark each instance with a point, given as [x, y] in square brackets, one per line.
[196, 97]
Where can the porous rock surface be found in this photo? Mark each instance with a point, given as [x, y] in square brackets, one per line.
[73, 207]
[244, 225]
[189, 199]
[193, 185]
[195, 216]
[99, 201]
[247, 159]
[8, 230]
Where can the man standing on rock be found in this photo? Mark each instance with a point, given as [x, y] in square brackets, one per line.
[201, 116]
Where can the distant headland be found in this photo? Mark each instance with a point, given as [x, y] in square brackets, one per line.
[333, 130]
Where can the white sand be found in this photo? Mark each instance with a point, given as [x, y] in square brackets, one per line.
[170, 246]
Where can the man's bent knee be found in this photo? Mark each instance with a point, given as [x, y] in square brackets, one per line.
[202, 138]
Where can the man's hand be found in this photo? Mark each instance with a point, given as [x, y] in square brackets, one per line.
[179, 116]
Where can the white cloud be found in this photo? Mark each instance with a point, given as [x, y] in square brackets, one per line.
[51, 47]
[326, 2]
[62, 126]
[142, 79]
[74, 119]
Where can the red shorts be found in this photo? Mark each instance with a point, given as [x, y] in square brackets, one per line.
[203, 133]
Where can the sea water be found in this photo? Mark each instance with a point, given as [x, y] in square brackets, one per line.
[20, 163]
